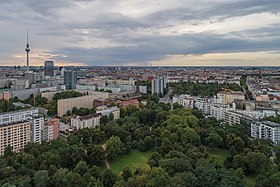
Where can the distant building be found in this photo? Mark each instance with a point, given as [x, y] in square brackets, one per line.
[114, 110]
[63, 105]
[100, 102]
[6, 95]
[49, 68]
[126, 104]
[88, 121]
[266, 130]
[158, 85]
[70, 79]
[121, 82]
[143, 89]
[225, 98]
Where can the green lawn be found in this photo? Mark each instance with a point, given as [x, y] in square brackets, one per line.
[250, 181]
[135, 159]
[218, 154]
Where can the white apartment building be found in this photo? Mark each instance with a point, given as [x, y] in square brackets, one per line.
[47, 133]
[143, 89]
[266, 130]
[204, 106]
[185, 100]
[18, 116]
[88, 121]
[219, 111]
[121, 82]
[37, 129]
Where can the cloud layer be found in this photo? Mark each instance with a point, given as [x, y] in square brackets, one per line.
[141, 32]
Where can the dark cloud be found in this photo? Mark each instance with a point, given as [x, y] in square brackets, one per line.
[131, 39]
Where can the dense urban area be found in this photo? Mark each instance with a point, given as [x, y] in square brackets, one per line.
[139, 126]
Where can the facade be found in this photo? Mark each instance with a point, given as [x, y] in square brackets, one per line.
[121, 82]
[49, 95]
[6, 95]
[89, 121]
[185, 100]
[143, 89]
[37, 129]
[70, 79]
[16, 135]
[114, 110]
[49, 68]
[266, 130]
[51, 130]
[63, 105]
[158, 85]
[126, 104]
[226, 98]
[18, 116]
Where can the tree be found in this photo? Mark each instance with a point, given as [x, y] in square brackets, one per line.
[111, 117]
[96, 154]
[126, 173]
[8, 151]
[256, 162]
[142, 146]
[104, 120]
[214, 140]
[113, 147]
[81, 168]
[109, 178]
[41, 178]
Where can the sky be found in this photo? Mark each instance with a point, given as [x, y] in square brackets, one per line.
[141, 32]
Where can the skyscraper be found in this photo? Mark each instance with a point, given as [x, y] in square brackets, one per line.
[27, 49]
[70, 79]
[49, 68]
[158, 85]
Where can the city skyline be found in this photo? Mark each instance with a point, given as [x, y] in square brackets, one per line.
[141, 33]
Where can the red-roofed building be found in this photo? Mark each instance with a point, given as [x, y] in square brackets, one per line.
[133, 102]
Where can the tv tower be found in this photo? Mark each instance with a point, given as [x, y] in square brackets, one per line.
[27, 49]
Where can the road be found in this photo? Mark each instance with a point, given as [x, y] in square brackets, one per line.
[166, 98]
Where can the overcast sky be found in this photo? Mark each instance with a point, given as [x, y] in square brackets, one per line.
[141, 32]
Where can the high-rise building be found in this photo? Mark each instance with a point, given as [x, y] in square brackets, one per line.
[15, 135]
[20, 127]
[158, 85]
[49, 68]
[70, 79]
[37, 129]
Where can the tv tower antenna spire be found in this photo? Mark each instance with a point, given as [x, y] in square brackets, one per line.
[27, 49]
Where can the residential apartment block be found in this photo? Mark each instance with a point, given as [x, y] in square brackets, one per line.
[88, 121]
[266, 130]
[16, 135]
[63, 105]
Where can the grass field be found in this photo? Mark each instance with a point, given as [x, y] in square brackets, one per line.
[250, 181]
[135, 159]
[219, 155]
